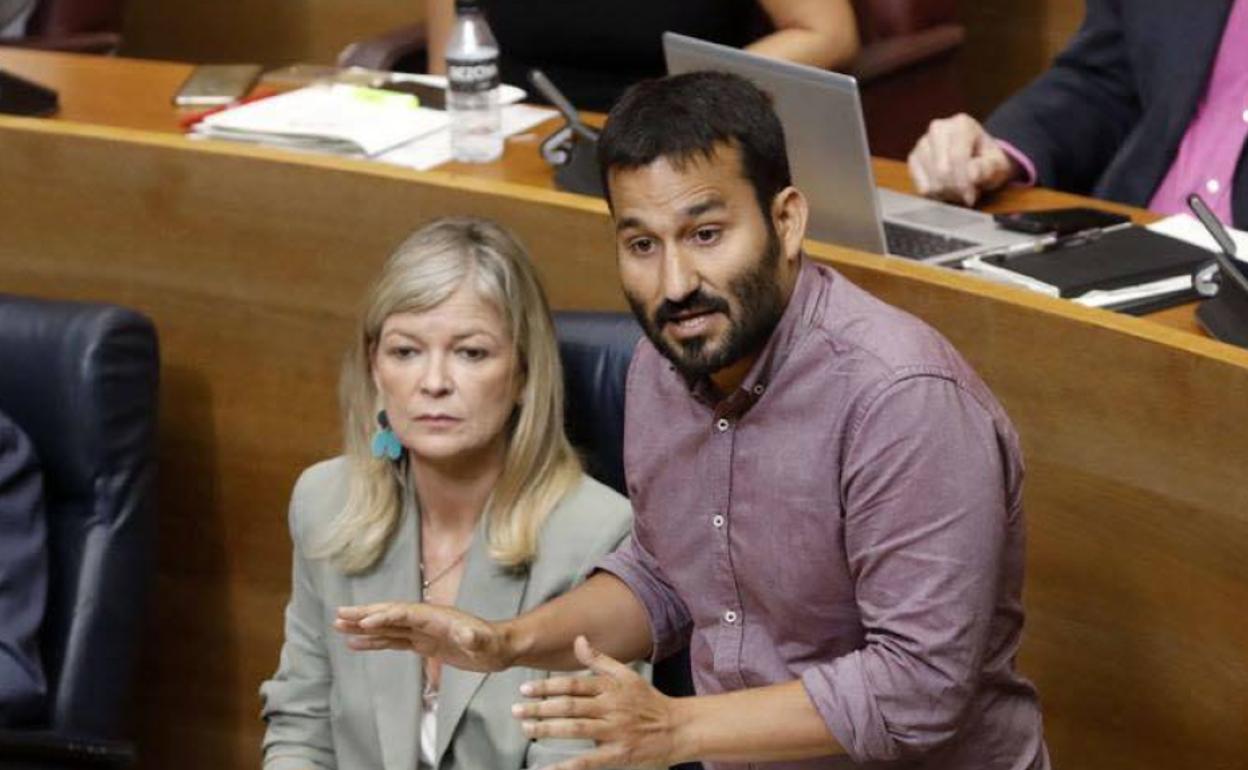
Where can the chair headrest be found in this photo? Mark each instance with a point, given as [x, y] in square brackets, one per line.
[80, 379]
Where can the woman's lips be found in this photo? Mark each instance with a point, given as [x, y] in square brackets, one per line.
[437, 419]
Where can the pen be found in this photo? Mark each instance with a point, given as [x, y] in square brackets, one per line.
[1034, 246]
[187, 121]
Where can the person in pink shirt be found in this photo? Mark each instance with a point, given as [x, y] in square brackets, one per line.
[1147, 105]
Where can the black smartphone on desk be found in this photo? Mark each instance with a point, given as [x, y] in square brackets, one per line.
[1059, 222]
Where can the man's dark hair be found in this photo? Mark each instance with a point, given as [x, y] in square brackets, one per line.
[683, 117]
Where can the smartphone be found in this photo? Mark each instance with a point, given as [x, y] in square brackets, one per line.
[1059, 221]
[214, 85]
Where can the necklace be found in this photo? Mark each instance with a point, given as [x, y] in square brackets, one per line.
[425, 582]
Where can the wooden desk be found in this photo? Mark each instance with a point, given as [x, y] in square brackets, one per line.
[137, 94]
[252, 263]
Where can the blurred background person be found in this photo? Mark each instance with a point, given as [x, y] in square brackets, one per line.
[1145, 106]
[594, 49]
[458, 487]
[13, 17]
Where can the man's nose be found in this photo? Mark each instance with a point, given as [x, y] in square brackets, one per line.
[680, 279]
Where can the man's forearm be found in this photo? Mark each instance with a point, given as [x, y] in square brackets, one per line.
[603, 609]
[763, 724]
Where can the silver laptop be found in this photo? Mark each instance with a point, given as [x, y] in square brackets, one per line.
[831, 163]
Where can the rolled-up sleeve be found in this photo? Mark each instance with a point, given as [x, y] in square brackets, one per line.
[925, 500]
[296, 699]
[670, 623]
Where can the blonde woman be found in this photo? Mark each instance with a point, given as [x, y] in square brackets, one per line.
[458, 487]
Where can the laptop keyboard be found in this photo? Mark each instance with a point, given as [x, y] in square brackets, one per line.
[914, 243]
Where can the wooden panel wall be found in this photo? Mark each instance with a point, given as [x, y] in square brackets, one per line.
[268, 31]
[251, 265]
[1009, 42]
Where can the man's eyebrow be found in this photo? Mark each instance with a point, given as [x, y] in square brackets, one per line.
[694, 211]
[710, 204]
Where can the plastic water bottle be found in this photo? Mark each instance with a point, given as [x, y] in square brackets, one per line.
[472, 86]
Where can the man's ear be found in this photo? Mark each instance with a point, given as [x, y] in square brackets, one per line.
[789, 212]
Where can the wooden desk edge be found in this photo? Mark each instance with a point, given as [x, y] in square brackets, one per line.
[1136, 327]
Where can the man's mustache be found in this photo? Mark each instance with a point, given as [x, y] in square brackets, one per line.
[696, 302]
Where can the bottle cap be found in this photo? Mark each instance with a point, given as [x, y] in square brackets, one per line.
[467, 6]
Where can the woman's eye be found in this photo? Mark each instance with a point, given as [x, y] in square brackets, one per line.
[473, 354]
[402, 352]
[706, 235]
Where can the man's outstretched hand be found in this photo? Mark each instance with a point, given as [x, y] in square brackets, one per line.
[434, 631]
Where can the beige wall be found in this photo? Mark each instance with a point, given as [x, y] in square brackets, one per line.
[267, 31]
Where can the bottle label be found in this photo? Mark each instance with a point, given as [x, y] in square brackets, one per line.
[471, 76]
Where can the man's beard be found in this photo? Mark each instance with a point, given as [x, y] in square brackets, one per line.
[760, 304]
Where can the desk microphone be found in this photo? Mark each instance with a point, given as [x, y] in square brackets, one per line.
[572, 149]
[561, 103]
[1208, 278]
[1224, 282]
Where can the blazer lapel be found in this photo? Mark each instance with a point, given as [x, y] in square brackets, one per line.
[488, 591]
[1193, 64]
[395, 677]
[1177, 82]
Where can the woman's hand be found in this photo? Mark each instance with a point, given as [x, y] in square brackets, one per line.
[434, 631]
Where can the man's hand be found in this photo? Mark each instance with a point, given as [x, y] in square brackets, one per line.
[453, 637]
[957, 160]
[633, 724]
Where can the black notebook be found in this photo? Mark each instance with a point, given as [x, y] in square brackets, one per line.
[1129, 256]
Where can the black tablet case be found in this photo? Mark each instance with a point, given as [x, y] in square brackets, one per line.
[1119, 258]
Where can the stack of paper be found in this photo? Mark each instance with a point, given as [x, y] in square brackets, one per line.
[1186, 227]
[344, 119]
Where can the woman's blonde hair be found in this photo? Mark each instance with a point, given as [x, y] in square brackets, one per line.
[540, 466]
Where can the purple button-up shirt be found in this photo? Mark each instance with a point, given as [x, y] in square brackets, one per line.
[850, 517]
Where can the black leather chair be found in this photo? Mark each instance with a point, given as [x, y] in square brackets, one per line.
[81, 381]
[595, 349]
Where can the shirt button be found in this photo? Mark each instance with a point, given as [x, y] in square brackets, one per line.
[1213, 186]
[717, 521]
[759, 388]
[730, 617]
[722, 424]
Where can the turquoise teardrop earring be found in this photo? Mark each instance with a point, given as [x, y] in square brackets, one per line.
[385, 443]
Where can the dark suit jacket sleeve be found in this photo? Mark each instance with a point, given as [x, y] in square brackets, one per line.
[23, 578]
[1072, 120]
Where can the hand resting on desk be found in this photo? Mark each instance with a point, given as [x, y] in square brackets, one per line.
[957, 160]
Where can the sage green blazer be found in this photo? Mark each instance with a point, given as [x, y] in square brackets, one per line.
[330, 707]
